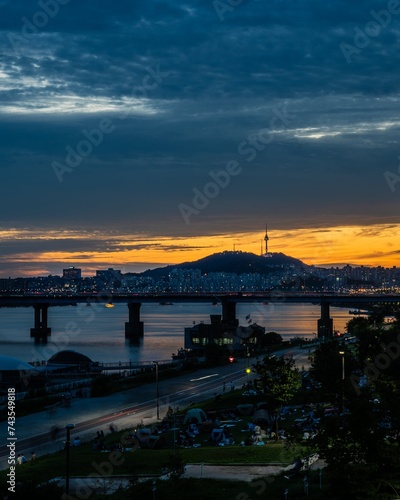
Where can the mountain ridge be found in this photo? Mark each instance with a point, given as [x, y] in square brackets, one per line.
[237, 262]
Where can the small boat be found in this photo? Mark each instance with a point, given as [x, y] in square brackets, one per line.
[163, 303]
[109, 304]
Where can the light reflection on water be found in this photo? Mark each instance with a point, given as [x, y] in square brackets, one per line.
[102, 330]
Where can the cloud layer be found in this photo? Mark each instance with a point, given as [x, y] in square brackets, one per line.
[304, 96]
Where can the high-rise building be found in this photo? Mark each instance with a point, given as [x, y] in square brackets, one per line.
[6, 284]
[72, 273]
[109, 275]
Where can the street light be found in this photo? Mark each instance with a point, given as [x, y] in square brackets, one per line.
[248, 371]
[342, 354]
[247, 356]
[342, 383]
[157, 392]
[68, 427]
[306, 486]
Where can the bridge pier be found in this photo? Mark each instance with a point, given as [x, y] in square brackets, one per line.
[229, 319]
[134, 327]
[40, 331]
[325, 323]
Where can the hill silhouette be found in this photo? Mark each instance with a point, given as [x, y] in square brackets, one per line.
[232, 262]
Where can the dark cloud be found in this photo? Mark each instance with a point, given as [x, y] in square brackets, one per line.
[183, 90]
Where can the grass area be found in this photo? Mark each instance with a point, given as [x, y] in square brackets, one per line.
[84, 460]
[150, 461]
[143, 462]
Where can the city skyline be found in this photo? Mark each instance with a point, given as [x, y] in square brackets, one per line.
[145, 134]
[317, 243]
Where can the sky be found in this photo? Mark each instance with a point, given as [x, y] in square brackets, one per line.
[136, 134]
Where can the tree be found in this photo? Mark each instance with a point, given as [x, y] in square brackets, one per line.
[377, 315]
[386, 383]
[270, 338]
[215, 354]
[361, 446]
[280, 380]
[355, 448]
[326, 366]
[356, 326]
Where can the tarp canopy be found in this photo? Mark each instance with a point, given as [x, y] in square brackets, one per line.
[195, 414]
[8, 363]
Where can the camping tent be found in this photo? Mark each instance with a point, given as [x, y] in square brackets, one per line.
[197, 414]
[245, 409]
[262, 417]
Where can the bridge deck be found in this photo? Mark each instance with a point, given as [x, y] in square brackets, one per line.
[9, 300]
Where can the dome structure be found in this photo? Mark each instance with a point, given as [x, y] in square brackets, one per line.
[69, 357]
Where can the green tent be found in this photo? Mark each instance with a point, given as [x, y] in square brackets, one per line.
[195, 414]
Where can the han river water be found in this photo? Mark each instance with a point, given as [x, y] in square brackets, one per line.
[99, 332]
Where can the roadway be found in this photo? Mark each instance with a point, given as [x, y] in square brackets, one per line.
[126, 409]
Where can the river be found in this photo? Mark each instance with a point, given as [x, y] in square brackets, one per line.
[99, 332]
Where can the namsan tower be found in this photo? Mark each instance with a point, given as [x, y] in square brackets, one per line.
[266, 239]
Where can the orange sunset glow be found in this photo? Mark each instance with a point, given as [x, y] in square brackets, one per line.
[375, 245]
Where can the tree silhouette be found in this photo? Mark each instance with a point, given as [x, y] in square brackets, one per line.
[280, 380]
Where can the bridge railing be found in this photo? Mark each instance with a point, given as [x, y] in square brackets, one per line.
[136, 364]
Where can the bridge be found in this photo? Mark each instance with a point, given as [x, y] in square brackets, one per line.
[134, 327]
